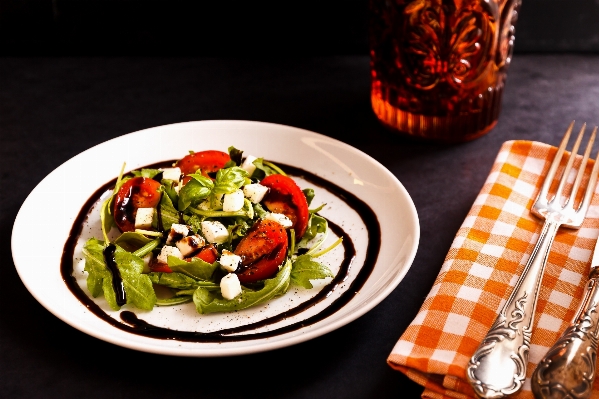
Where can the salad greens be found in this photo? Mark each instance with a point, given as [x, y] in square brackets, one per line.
[162, 253]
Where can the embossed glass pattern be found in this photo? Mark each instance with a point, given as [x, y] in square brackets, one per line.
[439, 67]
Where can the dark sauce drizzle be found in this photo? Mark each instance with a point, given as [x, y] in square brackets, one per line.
[134, 325]
[117, 280]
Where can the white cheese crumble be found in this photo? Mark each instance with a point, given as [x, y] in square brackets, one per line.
[255, 192]
[188, 245]
[171, 173]
[233, 202]
[177, 232]
[248, 164]
[214, 231]
[229, 261]
[279, 218]
[167, 251]
[230, 286]
[143, 218]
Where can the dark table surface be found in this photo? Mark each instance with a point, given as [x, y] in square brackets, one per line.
[53, 108]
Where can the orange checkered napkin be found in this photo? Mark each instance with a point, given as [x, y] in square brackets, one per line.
[486, 257]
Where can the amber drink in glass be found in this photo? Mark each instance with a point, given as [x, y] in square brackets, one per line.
[439, 67]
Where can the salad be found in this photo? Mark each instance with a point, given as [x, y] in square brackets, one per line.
[220, 229]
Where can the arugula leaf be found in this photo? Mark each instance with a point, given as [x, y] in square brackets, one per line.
[194, 221]
[176, 300]
[266, 168]
[179, 281]
[131, 241]
[259, 211]
[106, 217]
[235, 155]
[195, 191]
[138, 287]
[309, 194]
[211, 302]
[169, 188]
[306, 269]
[316, 224]
[95, 266]
[149, 173]
[246, 211]
[229, 179]
[195, 268]
[168, 213]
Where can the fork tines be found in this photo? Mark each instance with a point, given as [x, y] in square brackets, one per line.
[570, 200]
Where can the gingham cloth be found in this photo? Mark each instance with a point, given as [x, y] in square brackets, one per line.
[486, 257]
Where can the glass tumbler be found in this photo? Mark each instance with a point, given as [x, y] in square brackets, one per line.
[438, 67]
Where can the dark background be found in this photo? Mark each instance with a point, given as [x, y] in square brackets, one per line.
[76, 73]
[186, 27]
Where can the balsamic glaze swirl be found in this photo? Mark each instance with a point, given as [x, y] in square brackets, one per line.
[132, 324]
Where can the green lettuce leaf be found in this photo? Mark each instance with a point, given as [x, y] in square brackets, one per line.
[195, 191]
[138, 287]
[176, 300]
[95, 266]
[316, 224]
[211, 302]
[180, 281]
[169, 189]
[168, 213]
[235, 155]
[306, 269]
[309, 194]
[196, 268]
[229, 179]
[131, 241]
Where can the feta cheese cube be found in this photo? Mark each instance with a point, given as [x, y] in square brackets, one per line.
[214, 231]
[248, 165]
[190, 244]
[167, 251]
[255, 192]
[279, 218]
[177, 232]
[229, 261]
[171, 173]
[233, 202]
[143, 218]
[230, 286]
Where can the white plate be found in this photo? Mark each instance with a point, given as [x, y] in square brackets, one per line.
[55, 203]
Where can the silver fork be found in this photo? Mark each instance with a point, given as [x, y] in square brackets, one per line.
[498, 367]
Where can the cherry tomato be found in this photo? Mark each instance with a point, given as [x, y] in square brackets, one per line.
[262, 250]
[139, 192]
[159, 267]
[208, 253]
[207, 161]
[287, 198]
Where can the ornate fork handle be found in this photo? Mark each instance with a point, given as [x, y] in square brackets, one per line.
[568, 368]
[498, 367]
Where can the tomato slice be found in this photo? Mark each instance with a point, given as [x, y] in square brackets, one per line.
[160, 267]
[207, 161]
[139, 192]
[287, 198]
[208, 253]
[262, 250]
